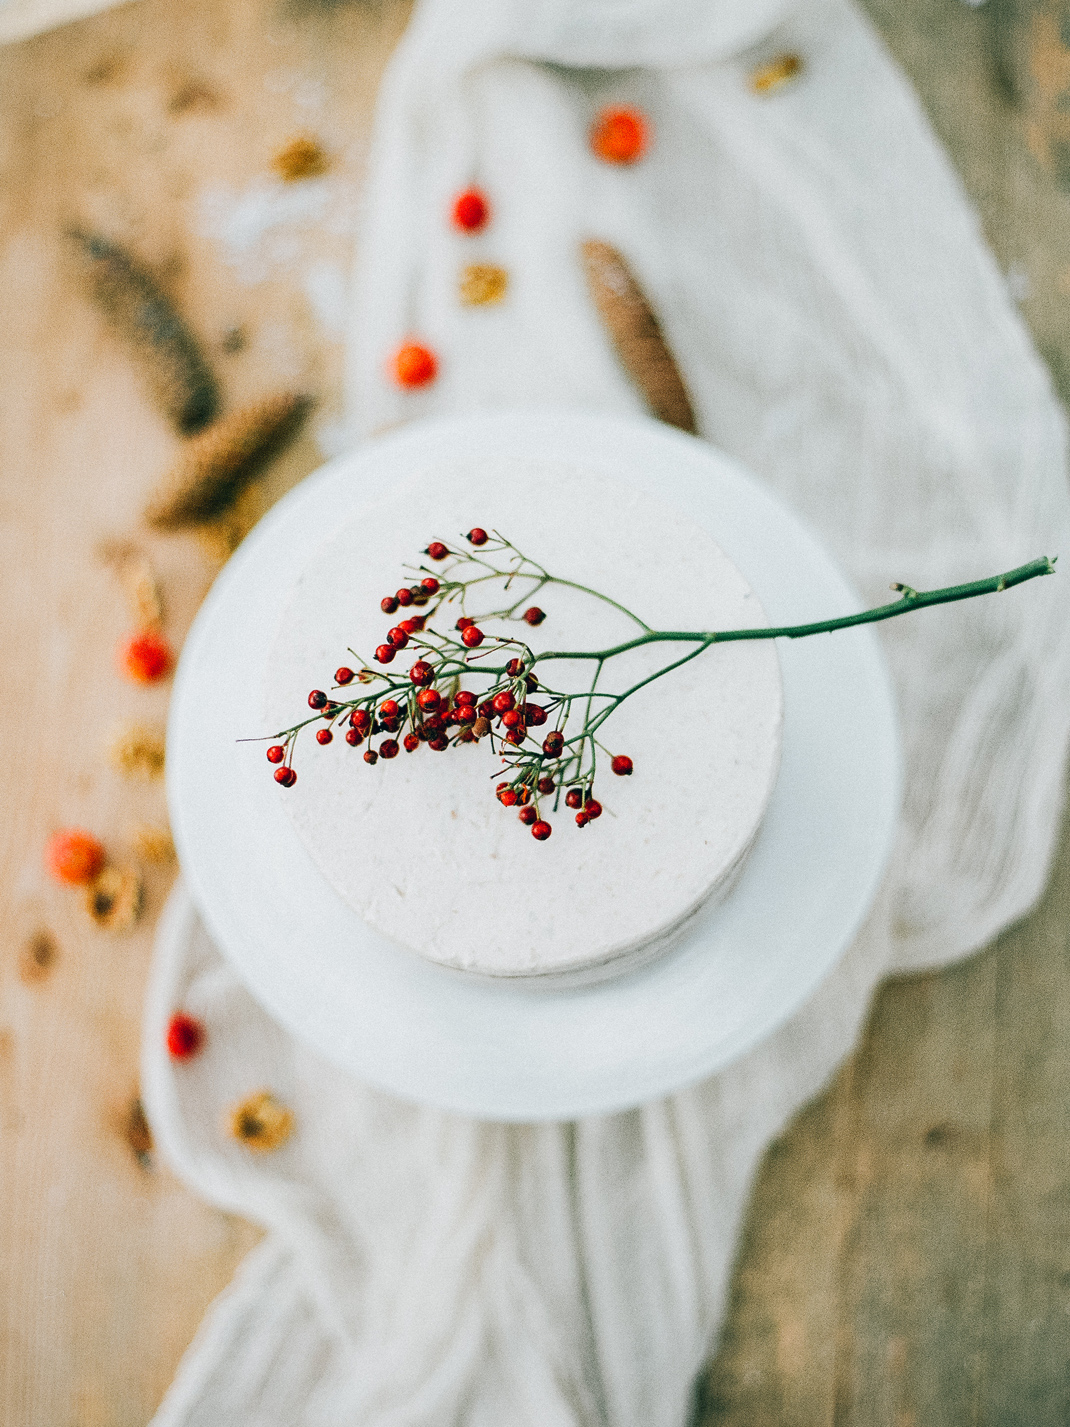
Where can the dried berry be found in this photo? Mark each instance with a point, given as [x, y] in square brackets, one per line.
[370, 756]
[185, 1036]
[114, 898]
[620, 136]
[546, 785]
[260, 1122]
[389, 604]
[553, 743]
[145, 657]
[528, 815]
[471, 211]
[388, 748]
[414, 365]
[74, 856]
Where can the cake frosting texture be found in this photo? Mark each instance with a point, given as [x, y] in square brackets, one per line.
[421, 848]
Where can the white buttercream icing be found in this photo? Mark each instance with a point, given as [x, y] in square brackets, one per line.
[421, 848]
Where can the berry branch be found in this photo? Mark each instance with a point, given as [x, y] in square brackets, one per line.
[428, 704]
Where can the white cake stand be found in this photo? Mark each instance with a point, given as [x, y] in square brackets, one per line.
[507, 1053]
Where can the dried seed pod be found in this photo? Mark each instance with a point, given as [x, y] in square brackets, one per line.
[636, 334]
[114, 899]
[138, 309]
[137, 751]
[218, 464]
[776, 72]
[482, 284]
[261, 1122]
[300, 158]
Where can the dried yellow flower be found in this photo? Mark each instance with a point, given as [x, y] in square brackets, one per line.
[775, 73]
[114, 899]
[300, 158]
[138, 751]
[482, 283]
[261, 1122]
[153, 843]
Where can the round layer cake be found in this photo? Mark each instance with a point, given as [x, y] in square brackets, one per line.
[420, 846]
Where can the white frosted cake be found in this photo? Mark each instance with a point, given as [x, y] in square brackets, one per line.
[419, 844]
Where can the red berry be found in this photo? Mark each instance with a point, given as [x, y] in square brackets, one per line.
[486, 709]
[74, 856]
[389, 708]
[513, 718]
[574, 798]
[464, 623]
[532, 683]
[421, 672]
[582, 819]
[286, 776]
[535, 715]
[592, 808]
[437, 550]
[385, 653]
[404, 596]
[534, 615]
[354, 736]
[324, 735]
[411, 626]
[528, 815]
[465, 696]
[388, 605]
[414, 365]
[370, 756]
[317, 699]
[546, 785]
[343, 675]
[388, 748]
[470, 210]
[439, 743]
[360, 718]
[465, 713]
[472, 637]
[145, 657]
[553, 743]
[478, 536]
[541, 831]
[185, 1036]
[622, 765]
[503, 702]
[507, 797]
[619, 136]
[429, 699]
[514, 668]
[397, 637]
[276, 753]
[430, 585]
[412, 743]
[516, 736]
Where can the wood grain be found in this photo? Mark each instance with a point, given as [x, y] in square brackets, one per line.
[906, 1261]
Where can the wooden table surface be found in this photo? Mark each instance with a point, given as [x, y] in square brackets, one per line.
[906, 1262]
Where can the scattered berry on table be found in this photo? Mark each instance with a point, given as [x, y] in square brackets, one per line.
[74, 856]
[185, 1036]
[620, 135]
[414, 365]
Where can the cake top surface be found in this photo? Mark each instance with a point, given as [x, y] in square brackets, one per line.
[419, 846]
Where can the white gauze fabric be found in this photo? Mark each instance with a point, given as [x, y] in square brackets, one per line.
[845, 333]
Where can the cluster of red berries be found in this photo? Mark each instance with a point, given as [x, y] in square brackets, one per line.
[440, 718]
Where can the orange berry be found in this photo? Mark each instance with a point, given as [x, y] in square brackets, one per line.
[620, 136]
[73, 856]
[414, 365]
[145, 657]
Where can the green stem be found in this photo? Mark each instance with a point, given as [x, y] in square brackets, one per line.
[909, 600]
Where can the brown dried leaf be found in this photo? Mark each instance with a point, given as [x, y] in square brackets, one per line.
[775, 72]
[302, 157]
[261, 1122]
[114, 899]
[636, 334]
[138, 751]
[482, 284]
